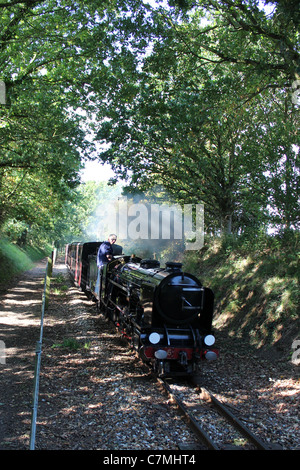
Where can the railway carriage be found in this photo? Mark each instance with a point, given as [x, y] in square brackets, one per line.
[77, 260]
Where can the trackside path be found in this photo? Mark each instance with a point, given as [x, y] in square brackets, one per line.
[20, 315]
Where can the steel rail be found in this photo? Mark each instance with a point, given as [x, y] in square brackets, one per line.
[196, 428]
[224, 411]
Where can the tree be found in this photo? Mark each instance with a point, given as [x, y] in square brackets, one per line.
[174, 93]
[79, 218]
[245, 34]
[190, 117]
[193, 142]
[282, 164]
[51, 52]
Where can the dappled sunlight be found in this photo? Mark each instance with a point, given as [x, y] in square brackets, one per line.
[19, 292]
[23, 302]
[73, 290]
[273, 283]
[254, 299]
[223, 320]
[18, 351]
[287, 388]
[75, 301]
[19, 320]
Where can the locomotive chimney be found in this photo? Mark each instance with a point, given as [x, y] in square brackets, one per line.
[172, 266]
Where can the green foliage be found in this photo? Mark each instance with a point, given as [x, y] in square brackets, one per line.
[14, 260]
[72, 344]
[51, 57]
[196, 97]
[68, 343]
[208, 113]
[81, 218]
[256, 286]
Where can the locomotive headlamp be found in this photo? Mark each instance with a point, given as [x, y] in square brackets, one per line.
[209, 340]
[211, 356]
[161, 354]
[154, 338]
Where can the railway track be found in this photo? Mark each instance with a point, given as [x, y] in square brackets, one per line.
[241, 437]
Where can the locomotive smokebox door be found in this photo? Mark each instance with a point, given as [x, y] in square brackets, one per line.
[179, 298]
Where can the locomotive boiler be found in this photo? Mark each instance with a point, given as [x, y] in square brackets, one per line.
[165, 312]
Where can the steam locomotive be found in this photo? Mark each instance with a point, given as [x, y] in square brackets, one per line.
[165, 313]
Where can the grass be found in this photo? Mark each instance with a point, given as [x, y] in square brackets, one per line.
[59, 286]
[256, 289]
[73, 344]
[14, 260]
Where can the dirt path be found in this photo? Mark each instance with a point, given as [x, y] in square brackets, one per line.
[20, 319]
[20, 314]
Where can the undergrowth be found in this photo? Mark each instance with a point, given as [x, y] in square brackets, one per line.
[256, 287]
[15, 260]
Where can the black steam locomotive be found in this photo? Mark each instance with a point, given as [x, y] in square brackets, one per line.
[166, 313]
